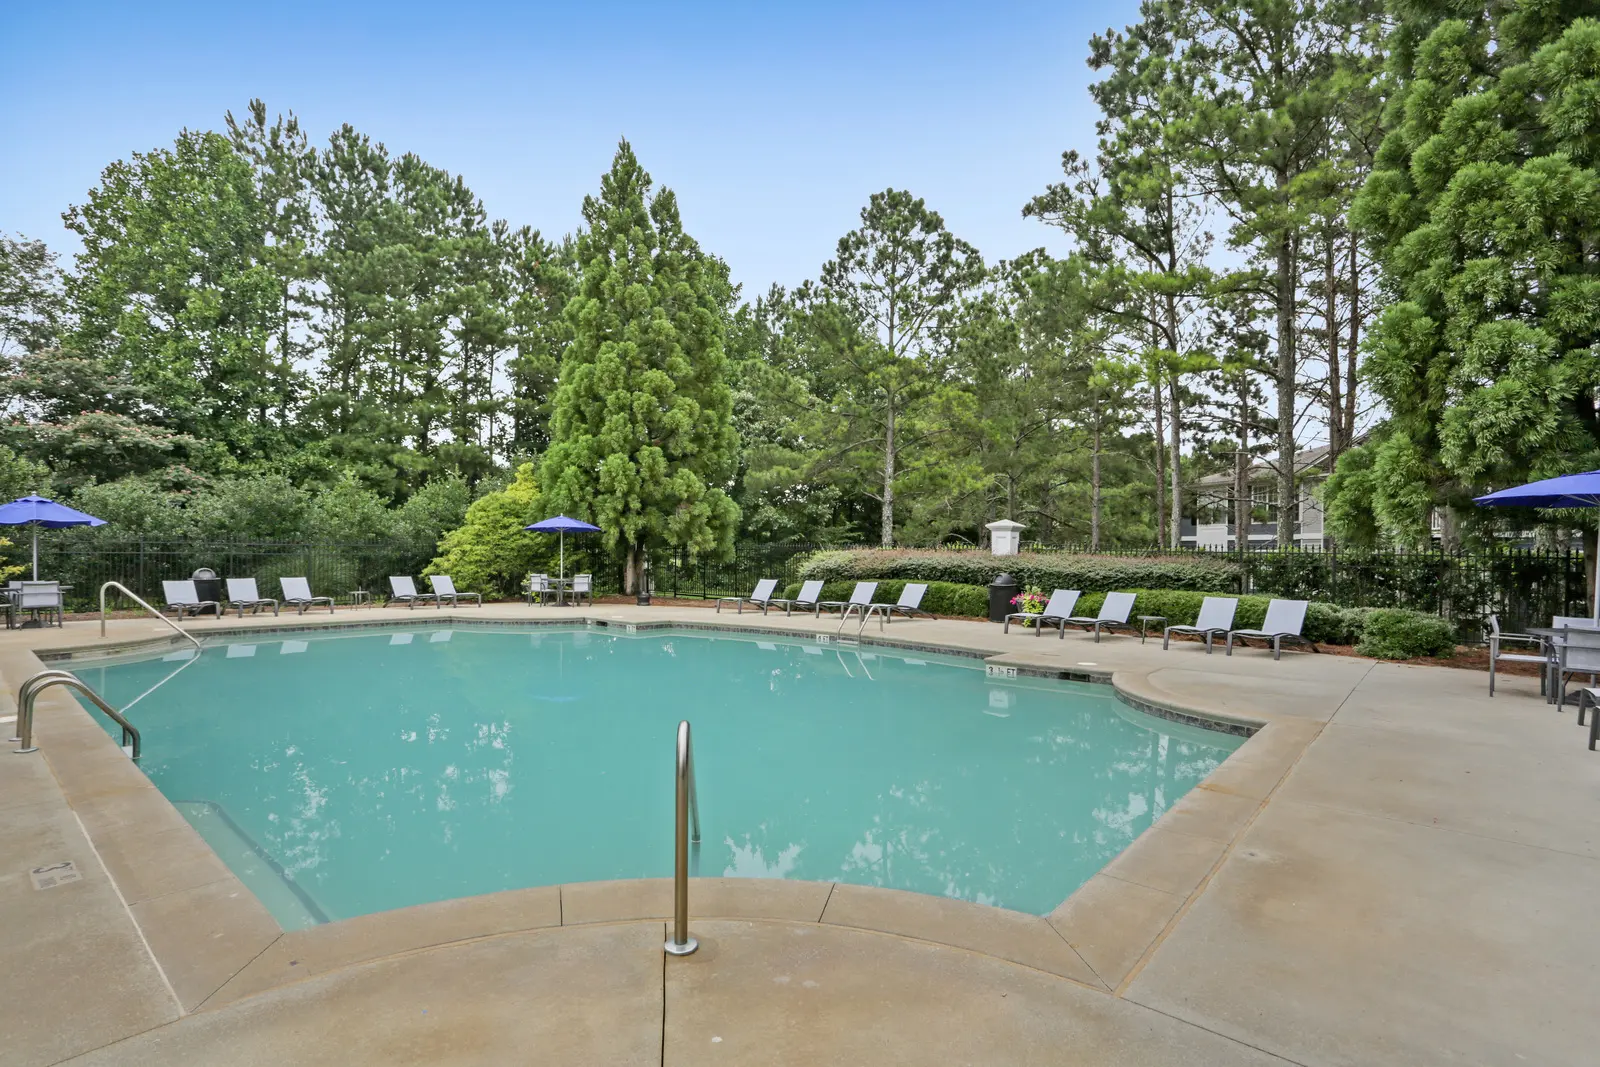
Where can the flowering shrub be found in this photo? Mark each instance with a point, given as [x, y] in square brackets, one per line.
[1030, 600]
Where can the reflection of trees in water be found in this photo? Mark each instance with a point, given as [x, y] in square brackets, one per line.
[749, 860]
[912, 839]
[420, 788]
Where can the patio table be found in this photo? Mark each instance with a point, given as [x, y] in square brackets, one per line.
[1553, 637]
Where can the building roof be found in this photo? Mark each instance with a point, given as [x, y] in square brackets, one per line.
[1310, 459]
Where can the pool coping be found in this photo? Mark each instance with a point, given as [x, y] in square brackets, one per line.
[216, 943]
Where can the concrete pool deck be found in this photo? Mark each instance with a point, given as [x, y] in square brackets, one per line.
[1393, 869]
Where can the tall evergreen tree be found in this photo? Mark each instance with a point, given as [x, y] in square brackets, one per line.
[642, 432]
[1482, 209]
[884, 310]
[173, 287]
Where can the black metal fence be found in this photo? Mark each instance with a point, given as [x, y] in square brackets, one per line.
[1523, 586]
[676, 574]
[141, 564]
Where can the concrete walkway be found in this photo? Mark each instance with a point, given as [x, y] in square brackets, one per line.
[1394, 870]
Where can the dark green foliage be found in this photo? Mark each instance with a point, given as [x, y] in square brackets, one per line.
[642, 428]
[1481, 211]
[942, 598]
[1394, 633]
[1044, 569]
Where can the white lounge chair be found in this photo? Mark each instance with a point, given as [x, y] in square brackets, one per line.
[1495, 655]
[583, 588]
[445, 589]
[242, 593]
[1216, 617]
[860, 600]
[404, 590]
[1284, 621]
[1113, 615]
[909, 605]
[807, 598]
[297, 594]
[760, 597]
[184, 599]
[1057, 610]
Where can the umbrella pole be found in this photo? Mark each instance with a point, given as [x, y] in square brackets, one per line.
[35, 551]
[563, 568]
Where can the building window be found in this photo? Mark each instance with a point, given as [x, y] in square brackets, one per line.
[1263, 503]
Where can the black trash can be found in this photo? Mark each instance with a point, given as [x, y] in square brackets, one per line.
[208, 586]
[1001, 590]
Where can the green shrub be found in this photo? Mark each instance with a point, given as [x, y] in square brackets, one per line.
[1397, 633]
[1047, 570]
[491, 553]
[1325, 623]
[942, 598]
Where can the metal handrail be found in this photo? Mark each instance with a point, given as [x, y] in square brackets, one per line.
[686, 809]
[131, 595]
[38, 683]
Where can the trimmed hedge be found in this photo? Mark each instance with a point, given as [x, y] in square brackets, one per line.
[942, 598]
[1396, 633]
[1383, 633]
[1047, 570]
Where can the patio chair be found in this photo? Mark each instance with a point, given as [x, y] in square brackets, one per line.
[242, 593]
[42, 597]
[297, 593]
[404, 590]
[1216, 617]
[1284, 621]
[809, 593]
[1577, 653]
[1496, 636]
[760, 597]
[1057, 610]
[860, 598]
[445, 589]
[1113, 615]
[909, 605]
[538, 586]
[583, 588]
[184, 599]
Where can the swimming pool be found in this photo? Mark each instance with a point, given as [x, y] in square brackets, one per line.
[346, 772]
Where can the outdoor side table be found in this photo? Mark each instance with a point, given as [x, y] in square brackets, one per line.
[359, 597]
[1144, 624]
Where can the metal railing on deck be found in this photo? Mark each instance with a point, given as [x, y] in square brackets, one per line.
[131, 595]
[686, 811]
[38, 683]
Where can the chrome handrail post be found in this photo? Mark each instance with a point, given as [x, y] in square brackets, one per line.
[686, 809]
[38, 683]
[131, 595]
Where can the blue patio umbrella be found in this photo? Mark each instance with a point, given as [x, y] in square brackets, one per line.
[1567, 491]
[560, 524]
[39, 513]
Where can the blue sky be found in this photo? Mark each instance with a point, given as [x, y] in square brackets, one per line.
[773, 123]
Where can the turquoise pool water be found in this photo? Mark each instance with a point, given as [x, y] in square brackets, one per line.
[346, 773]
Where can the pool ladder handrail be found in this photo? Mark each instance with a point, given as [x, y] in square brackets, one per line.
[38, 683]
[131, 595]
[686, 809]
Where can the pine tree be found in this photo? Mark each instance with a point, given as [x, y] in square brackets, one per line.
[1482, 209]
[643, 442]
